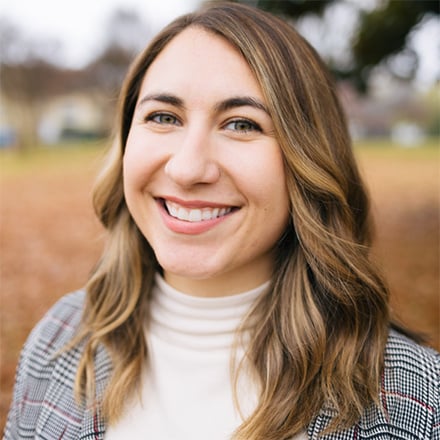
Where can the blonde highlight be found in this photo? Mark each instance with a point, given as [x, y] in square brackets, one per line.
[320, 330]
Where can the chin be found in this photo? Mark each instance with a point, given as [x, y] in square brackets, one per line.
[190, 273]
[184, 267]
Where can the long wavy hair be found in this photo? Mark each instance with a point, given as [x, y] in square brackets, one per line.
[319, 332]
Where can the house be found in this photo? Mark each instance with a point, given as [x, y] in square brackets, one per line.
[75, 116]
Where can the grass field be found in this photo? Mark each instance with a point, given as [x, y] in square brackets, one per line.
[50, 239]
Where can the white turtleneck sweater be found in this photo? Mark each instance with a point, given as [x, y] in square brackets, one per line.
[186, 389]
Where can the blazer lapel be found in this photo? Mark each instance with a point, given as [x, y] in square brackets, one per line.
[60, 415]
[371, 423]
[93, 426]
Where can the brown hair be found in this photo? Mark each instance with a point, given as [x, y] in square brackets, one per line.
[323, 325]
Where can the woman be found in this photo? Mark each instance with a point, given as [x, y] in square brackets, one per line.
[235, 297]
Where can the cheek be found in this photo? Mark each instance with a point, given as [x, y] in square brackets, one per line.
[273, 192]
[137, 164]
[264, 176]
[131, 172]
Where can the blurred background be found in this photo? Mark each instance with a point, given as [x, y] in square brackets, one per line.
[61, 67]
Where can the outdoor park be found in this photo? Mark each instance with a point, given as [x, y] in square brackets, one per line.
[50, 238]
[57, 131]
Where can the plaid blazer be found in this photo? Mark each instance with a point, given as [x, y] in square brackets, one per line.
[44, 406]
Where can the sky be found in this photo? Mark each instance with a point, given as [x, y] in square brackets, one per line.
[80, 25]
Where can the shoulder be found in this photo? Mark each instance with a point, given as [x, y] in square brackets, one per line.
[44, 356]
[410, 362]
[408, 406]
[50, 336]
[44, 402]
[43, 391]
[410, 388]
[58, 325]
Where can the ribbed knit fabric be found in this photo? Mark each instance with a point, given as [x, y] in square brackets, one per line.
[187, 392]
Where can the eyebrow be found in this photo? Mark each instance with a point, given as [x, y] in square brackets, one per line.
[227, 104]
[162, 97]
[240, 101]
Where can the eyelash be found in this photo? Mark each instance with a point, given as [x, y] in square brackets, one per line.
[154, 116]
[252, 126]
[172, 120]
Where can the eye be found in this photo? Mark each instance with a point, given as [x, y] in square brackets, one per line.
[163, 119]
[242, 126]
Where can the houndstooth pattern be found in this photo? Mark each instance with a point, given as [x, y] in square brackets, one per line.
[44, 405]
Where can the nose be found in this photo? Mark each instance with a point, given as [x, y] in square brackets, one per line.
[192, 161]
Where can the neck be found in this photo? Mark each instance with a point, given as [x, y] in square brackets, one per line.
[190, 321]
[222, 285]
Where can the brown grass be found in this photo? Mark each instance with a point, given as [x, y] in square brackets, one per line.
[49, 238]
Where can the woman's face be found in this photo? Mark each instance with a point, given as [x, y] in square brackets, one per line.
[203, 172]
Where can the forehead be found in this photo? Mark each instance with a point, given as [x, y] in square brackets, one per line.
[197, 59]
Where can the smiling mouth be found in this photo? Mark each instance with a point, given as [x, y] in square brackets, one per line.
[195, 214]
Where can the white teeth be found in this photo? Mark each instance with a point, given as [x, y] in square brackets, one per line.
[195, 215]
[206, 215]
[182, 214]
[172, 210]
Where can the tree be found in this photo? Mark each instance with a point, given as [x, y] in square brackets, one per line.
[126, 35]
[27, 80]
[383, 34]
[381, 38]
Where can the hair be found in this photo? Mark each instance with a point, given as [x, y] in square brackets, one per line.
[323, 324]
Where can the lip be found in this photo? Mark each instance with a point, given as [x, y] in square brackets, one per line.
[191, 228]
[193, 204]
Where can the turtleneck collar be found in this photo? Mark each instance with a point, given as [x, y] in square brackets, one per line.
[197, 323]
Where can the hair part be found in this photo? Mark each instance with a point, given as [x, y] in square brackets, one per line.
[320, 331]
